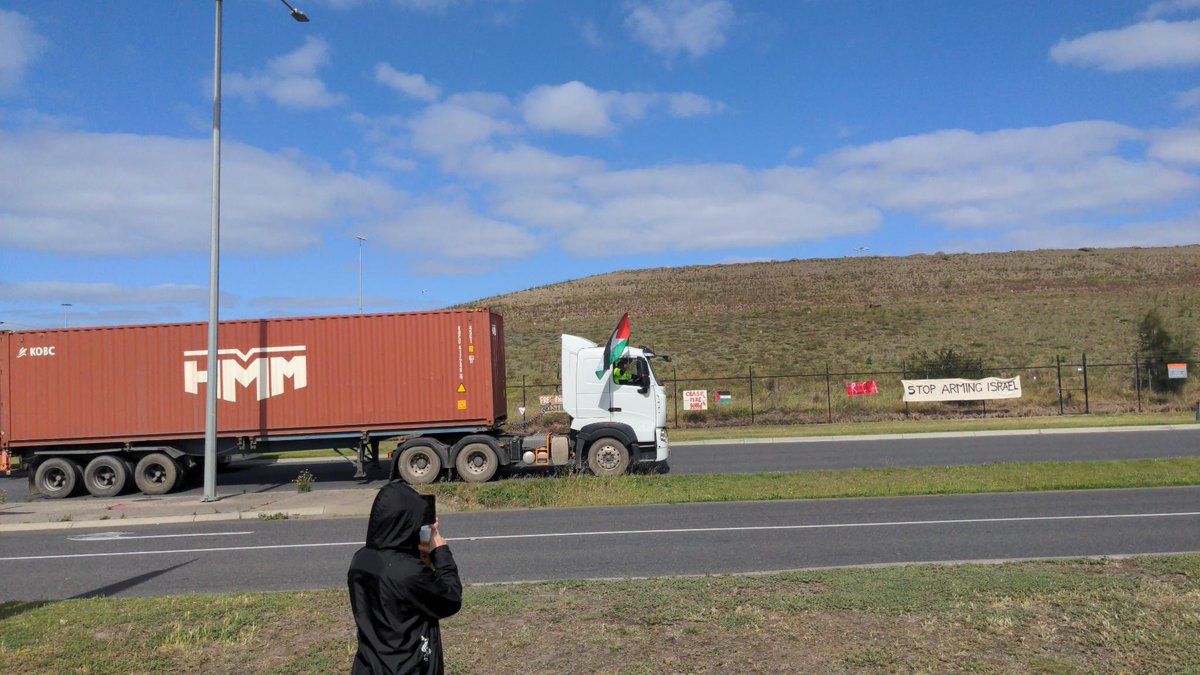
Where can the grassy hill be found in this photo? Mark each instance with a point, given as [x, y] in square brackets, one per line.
[864, 312]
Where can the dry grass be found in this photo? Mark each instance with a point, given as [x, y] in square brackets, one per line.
[1134, 615]
[865, 313]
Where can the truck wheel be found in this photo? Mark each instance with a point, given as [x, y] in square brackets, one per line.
[608, 457]
[476, 462]
[106, 476]
[419, 464]
[156, 474]
[57, 477]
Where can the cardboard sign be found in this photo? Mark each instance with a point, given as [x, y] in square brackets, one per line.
[695, 399]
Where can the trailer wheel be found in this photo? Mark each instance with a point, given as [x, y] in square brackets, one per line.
[476, 462]
[419, 464]
[608, 457]
[57, 477]
[156, 474]
[106, 476]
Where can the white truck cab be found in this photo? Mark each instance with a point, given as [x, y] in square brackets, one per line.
[633, 412]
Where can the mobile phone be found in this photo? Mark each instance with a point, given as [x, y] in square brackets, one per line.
[430, 509]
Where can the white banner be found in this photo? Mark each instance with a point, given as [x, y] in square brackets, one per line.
[962, 390]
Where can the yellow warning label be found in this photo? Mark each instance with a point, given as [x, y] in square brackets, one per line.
[462, 405]
[470, 349]
[462, 389]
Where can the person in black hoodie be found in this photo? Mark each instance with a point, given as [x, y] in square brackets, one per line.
[396, 598]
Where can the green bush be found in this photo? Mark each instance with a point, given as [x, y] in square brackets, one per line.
[1158, 346]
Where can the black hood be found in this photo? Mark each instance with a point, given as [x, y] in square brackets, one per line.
[396, 518]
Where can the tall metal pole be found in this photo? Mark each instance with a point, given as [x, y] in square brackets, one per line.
[66, 314]
[360, 244]
[210, 417]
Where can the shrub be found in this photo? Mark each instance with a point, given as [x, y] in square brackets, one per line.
[944, 363]
[1158, 346]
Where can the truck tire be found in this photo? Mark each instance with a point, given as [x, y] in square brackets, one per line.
[476, 462]
[106, 476]
[57, 477]
[156, 474]
[608, 457]
[419, 464]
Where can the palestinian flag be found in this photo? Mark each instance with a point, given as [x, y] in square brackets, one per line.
[615, 347]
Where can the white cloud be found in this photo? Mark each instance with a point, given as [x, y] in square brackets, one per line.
[576, 108]
[1007, 178]
[689, 207]
[674, 27]
[102, 293]
[1188, 99]
[428, 6]
[1170, 7]
[20, 45]
[289, 80]
[450, 128]
[415, 86]
[589, 33]
[1179, 232]
[121, 194]
[1151, 44]
[454, 231]
[1179, 146]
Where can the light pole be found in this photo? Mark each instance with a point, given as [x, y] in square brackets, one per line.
[360, 243]
[66, 314]
[214, 293]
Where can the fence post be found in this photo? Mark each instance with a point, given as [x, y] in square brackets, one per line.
[1137, 378]
[751, 395]
[904, 376]
[675, 385]
[1087, 408]
[828, 395]
[523, 403]
[1058, 367]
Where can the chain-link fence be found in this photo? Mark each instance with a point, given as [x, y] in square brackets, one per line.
[1065, 387]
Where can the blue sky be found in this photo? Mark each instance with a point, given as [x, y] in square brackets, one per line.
[488, 146]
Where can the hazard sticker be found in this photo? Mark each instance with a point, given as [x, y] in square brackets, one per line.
[462, 405]
[462, 389]
[470, 349]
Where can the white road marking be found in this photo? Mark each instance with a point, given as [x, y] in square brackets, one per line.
[122, 536]
[749, 528]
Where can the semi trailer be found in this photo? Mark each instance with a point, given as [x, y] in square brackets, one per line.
[108, 409]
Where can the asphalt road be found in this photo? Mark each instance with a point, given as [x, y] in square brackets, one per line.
[614, 542]
[783, 456]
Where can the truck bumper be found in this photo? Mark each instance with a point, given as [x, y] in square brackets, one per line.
[662, 446]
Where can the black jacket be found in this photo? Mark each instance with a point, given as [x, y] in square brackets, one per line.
[396, 599]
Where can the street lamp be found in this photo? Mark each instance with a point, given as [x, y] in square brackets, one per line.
[210, 421]
[360, 243]
[66, 314]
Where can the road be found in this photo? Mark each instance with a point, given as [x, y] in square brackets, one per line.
[613, 542]
[790, 456]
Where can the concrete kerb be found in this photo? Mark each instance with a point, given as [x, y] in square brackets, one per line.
[939, 434]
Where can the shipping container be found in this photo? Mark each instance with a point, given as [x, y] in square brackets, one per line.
[276, 378]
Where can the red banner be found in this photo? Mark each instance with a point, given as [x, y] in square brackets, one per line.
[862, 388]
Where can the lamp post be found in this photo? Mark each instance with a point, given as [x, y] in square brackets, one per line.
[360, 243]
[210, 421]
[66, 314]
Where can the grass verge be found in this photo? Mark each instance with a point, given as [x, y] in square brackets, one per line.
[874, 428]
[583, 491]
[1128, 615]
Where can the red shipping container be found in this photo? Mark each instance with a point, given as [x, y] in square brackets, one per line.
[278, 377]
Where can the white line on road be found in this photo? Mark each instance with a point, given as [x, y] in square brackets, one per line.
[122, 536]
[752, 528]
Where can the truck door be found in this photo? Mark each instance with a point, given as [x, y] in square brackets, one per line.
[632, 397]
